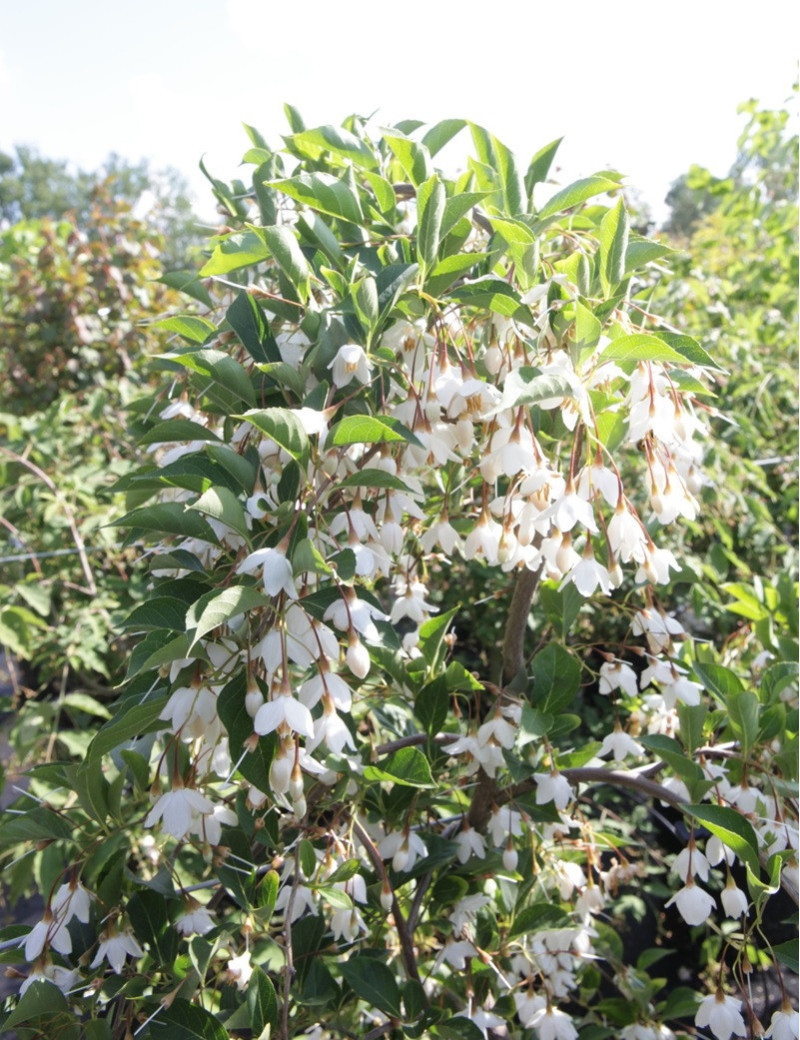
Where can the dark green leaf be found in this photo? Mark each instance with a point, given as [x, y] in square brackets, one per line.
[262, 1003]
[369, 429]
[732, 829]
[189, 326]
[219, 606]
[371, 980]
[407, 767]
[183, 1020]
[284, 427]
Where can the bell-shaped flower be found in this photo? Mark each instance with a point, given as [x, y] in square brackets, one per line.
[115, 947]
[284, 712]
[694, 904]
[721, 1015]
[178, 809]
[553, 787]
[350, 363]
[276, 571]
[734, 900]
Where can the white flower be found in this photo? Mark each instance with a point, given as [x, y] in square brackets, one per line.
[616, 675]
[64, 978]
[403, 848]
[276, 571]
[50, 931]
[350, 362]
[721, 1015]
[72, 900]
[784, 1025]
[456, 953]
[284, 710]
[694, 904]
[588, 574]
[691, 861]
[196, 920]
[619, 745]
[465, 911]
[734, 901]
[177, 807]
[115, 947]
[552, 1024]
[470, 843]
[240, 969]
[552, 787]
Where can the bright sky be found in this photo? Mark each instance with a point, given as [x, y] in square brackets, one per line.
[645, 87]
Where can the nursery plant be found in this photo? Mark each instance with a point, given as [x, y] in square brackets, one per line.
[322, 806]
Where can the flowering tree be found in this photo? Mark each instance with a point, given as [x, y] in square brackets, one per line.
[311, 814]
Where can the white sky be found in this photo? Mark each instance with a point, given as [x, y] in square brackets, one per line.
[644, 87]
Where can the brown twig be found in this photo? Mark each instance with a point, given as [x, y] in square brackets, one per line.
[404, 932]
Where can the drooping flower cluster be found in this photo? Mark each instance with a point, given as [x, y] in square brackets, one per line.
[312, 725]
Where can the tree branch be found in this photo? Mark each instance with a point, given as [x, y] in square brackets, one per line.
[404, 933]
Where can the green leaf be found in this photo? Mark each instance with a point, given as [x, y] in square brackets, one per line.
[255, 765]
[221, 504]
[83, 702]
[177, 430]
[284, 427]
[537, 917]
[373, 478]
[689, 349]
[186, 1021]
[285, 249]
[384, 192]
[556, 679]
[247, 320]
[370, 429]
[220, 369]
[325, 193]
[168, 518]
[432, 633]
[414, 158]
[335, 140]
[732, 829]
[457, 207]
[219, 606]
[373, 982]
[432, 704]
[41, 1000]
[91, 787]
[160, 612]
[788, 953]
[147, 911]
[441, 133]
[495, 154]
[613, 238]
[458, 1028]
[692, 719]
[132, 721]
[743, 711]
[187, 282]
[640, 346]
[540, 164]
[392, 281]
[496, 295]
[449, 270]
[575, 194]
[240, 251]
[641, 251]
[407, 767]
[189, 326]
[262, 1002]
[430, 205]
[719, 681]
[528, 386]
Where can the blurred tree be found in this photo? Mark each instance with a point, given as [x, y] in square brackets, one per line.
[33, 187]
